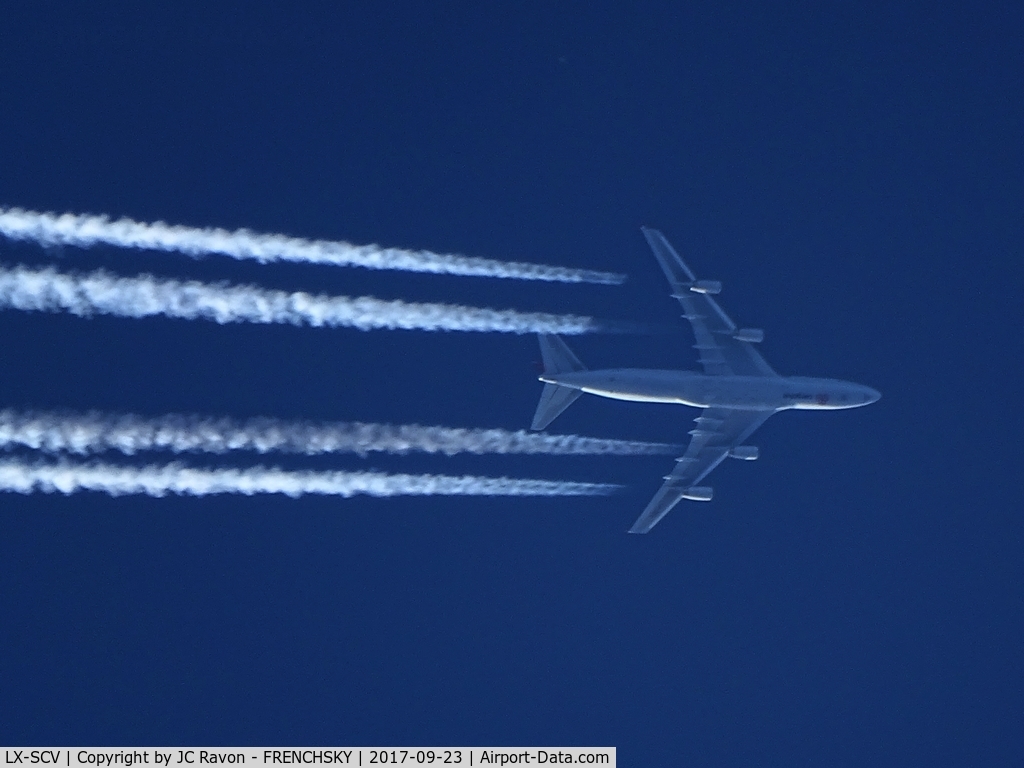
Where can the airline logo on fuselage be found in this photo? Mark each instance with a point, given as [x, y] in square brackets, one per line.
[805, 397]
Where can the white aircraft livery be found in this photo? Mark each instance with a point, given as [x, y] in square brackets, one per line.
[736, 392]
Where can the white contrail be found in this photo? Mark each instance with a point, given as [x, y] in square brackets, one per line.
[129, 434]
[85, 231]
[101, 293]
[160, 480]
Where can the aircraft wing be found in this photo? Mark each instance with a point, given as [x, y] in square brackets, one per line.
[720, 352]
[718, 430]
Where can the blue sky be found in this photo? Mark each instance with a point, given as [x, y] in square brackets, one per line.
[852, 175]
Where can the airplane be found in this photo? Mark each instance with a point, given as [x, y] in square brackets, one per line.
[736, 392]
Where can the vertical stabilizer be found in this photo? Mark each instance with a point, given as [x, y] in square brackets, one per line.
[558, 358]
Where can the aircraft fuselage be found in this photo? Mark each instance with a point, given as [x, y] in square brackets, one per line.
[755, 393]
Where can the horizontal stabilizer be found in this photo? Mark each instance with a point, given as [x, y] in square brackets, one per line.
[557, 356]
[553, 400]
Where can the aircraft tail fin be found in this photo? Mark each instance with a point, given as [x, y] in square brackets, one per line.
[558, 358]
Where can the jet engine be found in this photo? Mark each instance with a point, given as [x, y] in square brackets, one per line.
[753, 335]
[706, 286]
[744, 452]
[699, 493]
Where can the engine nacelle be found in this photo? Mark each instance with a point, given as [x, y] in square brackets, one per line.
[699, 493]
[706, 286]
[753, 335]
[744, 452]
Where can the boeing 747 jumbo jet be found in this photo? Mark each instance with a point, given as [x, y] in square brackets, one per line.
[737, 391]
